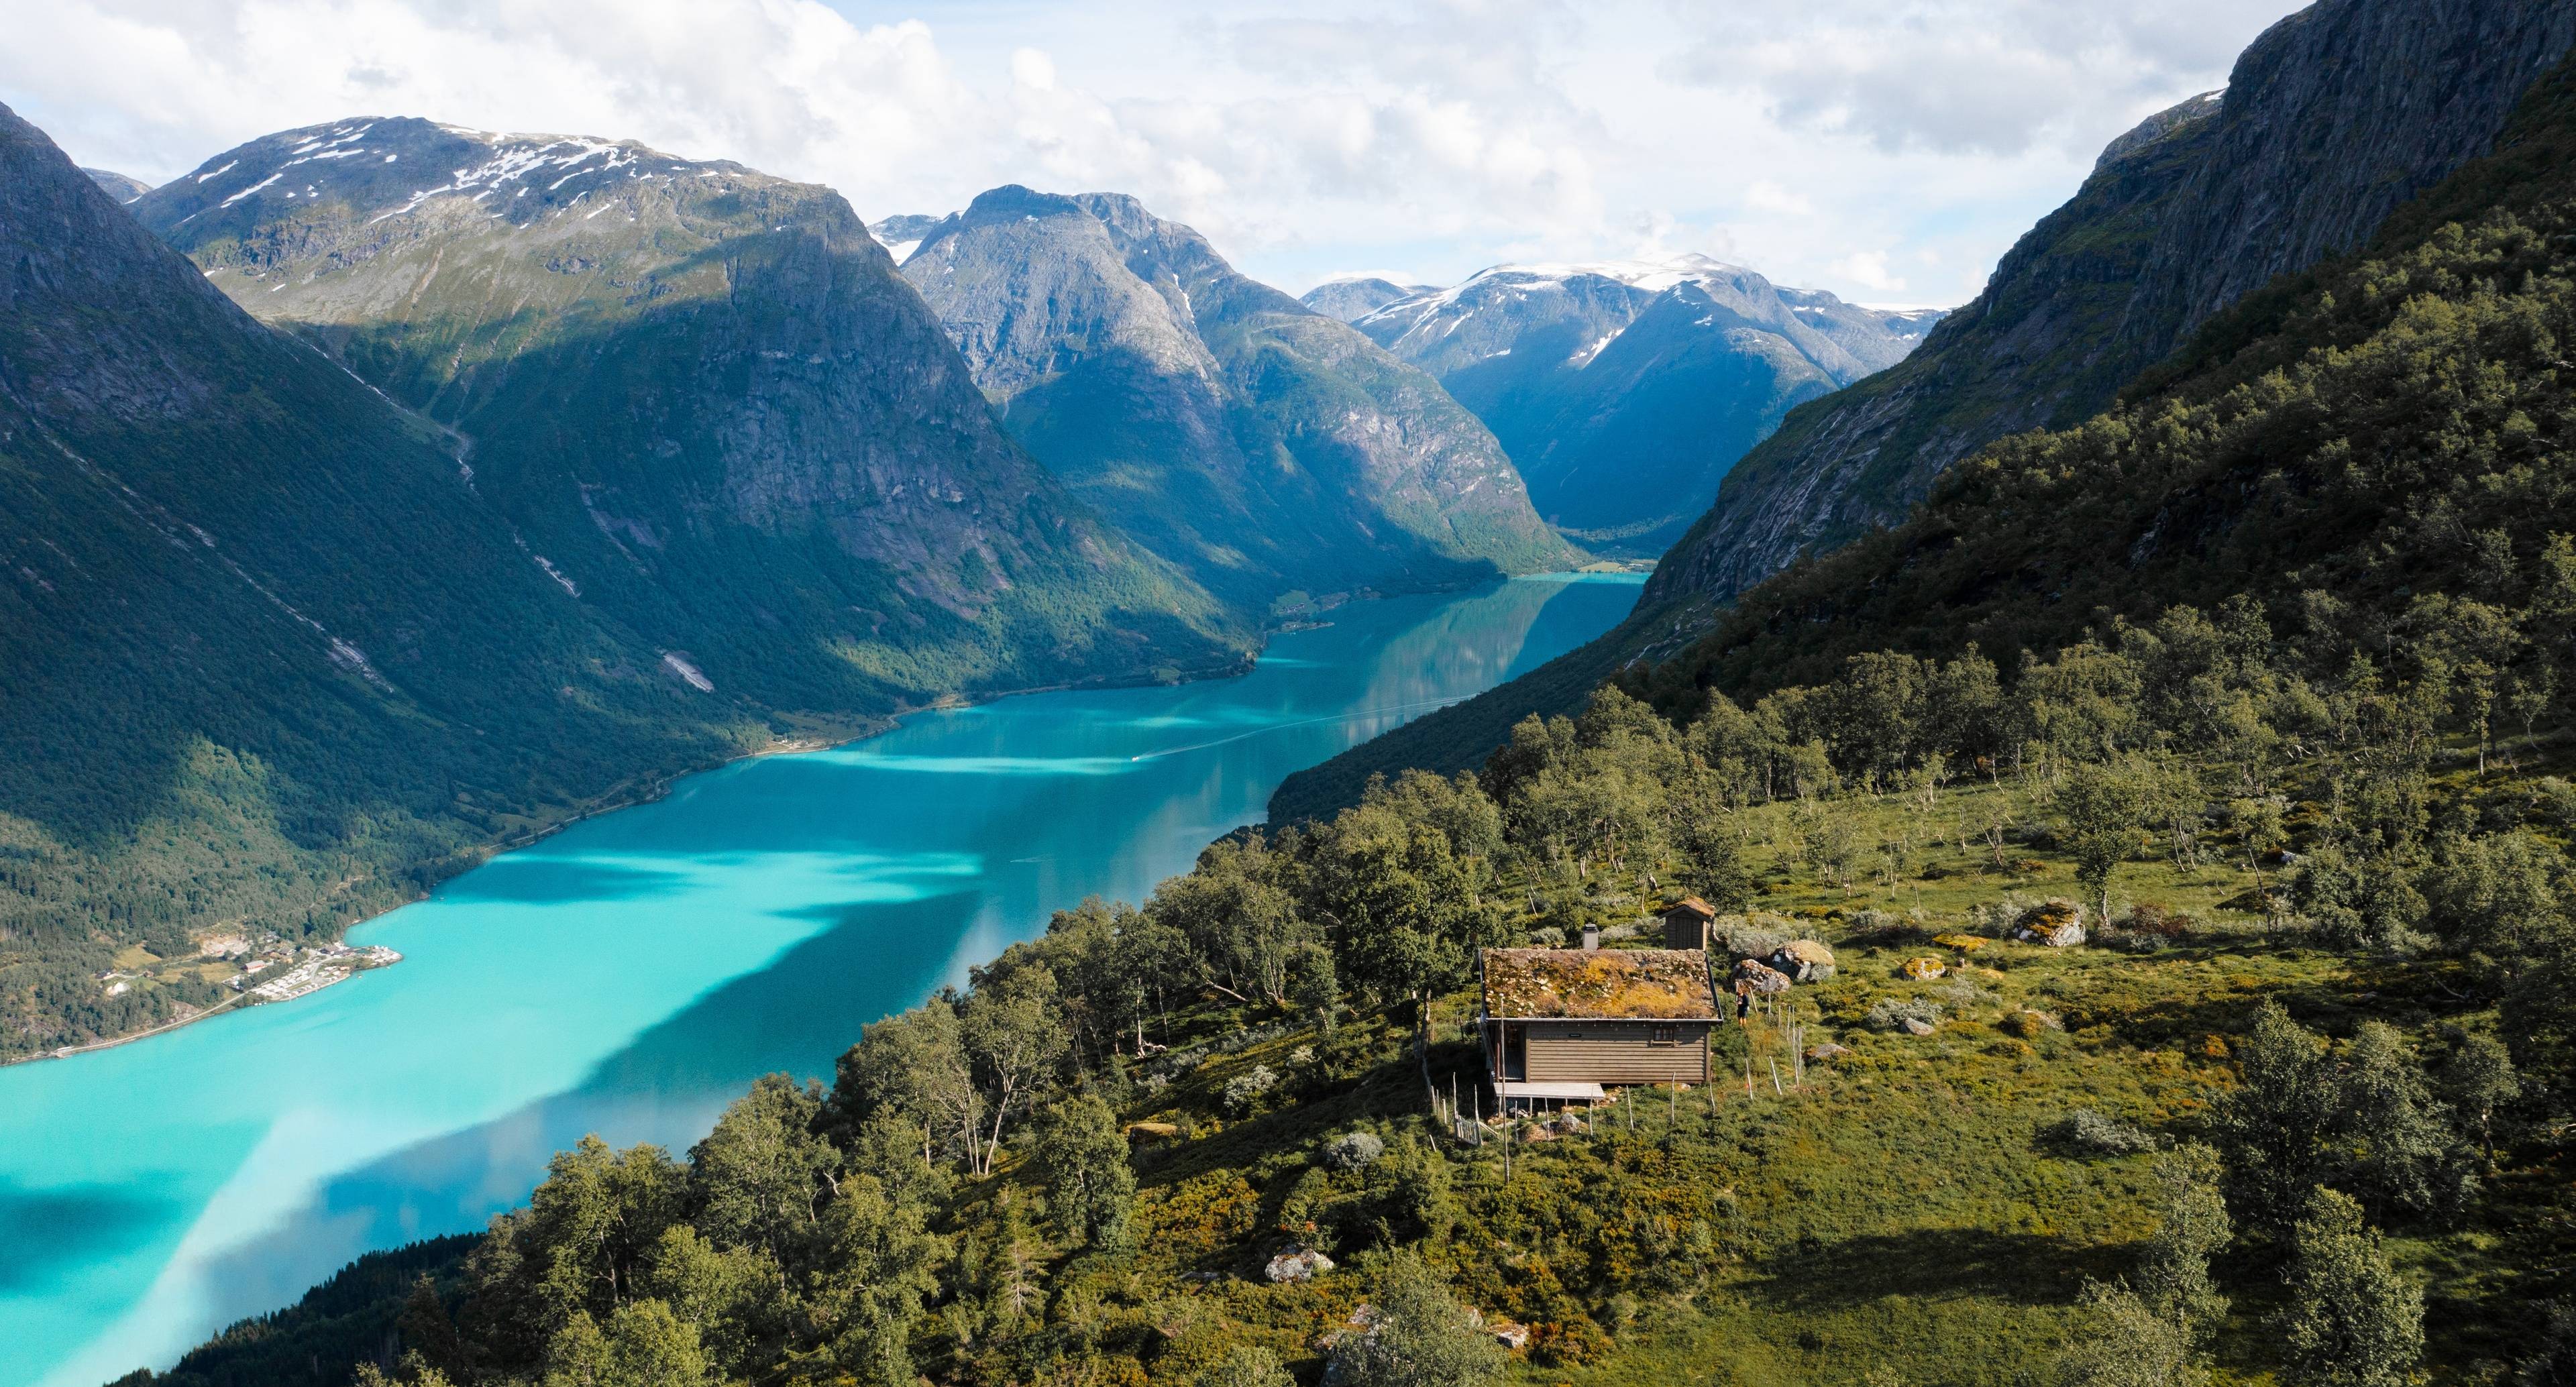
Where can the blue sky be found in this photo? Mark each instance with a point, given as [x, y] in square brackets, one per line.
[1888, 150]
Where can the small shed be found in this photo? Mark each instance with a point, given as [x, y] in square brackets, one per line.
[1566, 1024]
[1686, 924]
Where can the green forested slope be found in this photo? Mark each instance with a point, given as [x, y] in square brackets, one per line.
[2331, 119]
[2379, 450]
[268, 665]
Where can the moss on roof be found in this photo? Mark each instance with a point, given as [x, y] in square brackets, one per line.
[1602, 985]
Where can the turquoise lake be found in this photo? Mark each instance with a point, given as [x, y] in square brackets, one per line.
[630, 975]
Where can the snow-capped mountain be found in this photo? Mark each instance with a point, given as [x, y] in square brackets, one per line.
[899, 235]
[1624, 389]
[702, 395]
[1260, 446]
[1353, 297]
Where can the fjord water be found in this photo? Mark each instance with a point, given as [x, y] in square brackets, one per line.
[631, 974]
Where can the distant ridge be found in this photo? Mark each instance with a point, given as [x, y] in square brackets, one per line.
[1624, 390]
[1262, 448]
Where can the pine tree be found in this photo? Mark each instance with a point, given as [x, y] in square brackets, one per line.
[2350, 1320]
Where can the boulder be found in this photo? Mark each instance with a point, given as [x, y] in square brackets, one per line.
[1827, 1051]
[1303, 1264]
[2058, 924]
[1752, 975]
[1915, 1025]
[1806, 960]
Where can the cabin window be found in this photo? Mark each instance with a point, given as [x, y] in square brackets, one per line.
[1666, 1035]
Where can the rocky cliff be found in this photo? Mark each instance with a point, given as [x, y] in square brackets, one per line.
[1259, 446]
[1624, 390]
[2331, 119]
[704, 399]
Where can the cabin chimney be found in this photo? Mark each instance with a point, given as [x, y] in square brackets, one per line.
[1591, 938]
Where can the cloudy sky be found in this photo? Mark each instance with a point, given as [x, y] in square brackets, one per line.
[1888, 150]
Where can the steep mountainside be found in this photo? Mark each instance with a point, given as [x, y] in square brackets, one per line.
[2374, 453]
[122, 187]
[702, 395]
[1353, 299]
[1261, 447]
[1625, 390]
[271, 666]
[2043, 340]
[2332, 118]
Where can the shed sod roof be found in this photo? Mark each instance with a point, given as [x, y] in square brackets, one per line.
[1601, 985]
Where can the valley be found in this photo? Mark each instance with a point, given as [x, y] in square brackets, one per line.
[630, 973]
[1548, 811]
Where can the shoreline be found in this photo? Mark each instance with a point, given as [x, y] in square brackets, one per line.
[873, 725]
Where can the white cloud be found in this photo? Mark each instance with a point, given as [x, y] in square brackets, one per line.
[1766, 196]
[1964, 76]
[1821, 144]
[1868, 269]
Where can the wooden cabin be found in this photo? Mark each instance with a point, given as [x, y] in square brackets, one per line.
[1563, 1025]
[1686, 924]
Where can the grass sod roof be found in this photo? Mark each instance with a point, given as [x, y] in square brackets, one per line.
[1598, 985]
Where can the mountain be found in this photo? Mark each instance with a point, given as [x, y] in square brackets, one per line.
[702, 397]
[2332, 118]
[271, 663]
[1354, 298]
[2372, 454]
[122, 187]
[1259, 446]
[900, 234]
[1624, 390]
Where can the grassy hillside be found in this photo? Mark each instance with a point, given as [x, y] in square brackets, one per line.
[1918, 1209]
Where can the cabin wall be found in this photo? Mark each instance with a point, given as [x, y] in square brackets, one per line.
[1683, 930]
[1590, 1052]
